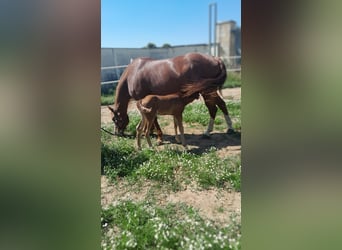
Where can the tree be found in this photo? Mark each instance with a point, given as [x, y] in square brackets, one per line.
[151, 46]
[166, 45]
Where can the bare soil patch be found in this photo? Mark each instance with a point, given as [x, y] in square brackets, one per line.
[213, 204]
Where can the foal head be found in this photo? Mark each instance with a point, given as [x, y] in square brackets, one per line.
[120, 121]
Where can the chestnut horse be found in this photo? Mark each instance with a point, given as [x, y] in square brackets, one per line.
[188, 74]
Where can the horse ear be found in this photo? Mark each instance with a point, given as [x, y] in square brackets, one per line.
[110, 108]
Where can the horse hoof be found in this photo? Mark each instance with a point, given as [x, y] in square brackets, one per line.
[230, 131]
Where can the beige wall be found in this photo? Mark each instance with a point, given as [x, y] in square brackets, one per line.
[228, 37]
[225, 38]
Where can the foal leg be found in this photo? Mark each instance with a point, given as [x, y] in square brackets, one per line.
[139, 129]
[176, 130]
[148, 125]
[179, 121]
[159, 132]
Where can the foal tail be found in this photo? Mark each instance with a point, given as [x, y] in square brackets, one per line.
[204, 84]
[142, 108]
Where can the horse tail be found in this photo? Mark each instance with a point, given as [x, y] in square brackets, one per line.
[143, 108]
[217, 82]
[220, 92]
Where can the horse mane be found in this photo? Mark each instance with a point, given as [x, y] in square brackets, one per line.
[191, 88]
[122, 96]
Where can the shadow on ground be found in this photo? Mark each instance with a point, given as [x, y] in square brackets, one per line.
[198, 144]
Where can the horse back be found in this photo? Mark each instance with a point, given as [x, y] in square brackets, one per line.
[161, 77]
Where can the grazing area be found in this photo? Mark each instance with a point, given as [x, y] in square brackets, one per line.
[168, 198]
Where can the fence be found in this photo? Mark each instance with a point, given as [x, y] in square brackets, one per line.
[112, 67]
[233, 64]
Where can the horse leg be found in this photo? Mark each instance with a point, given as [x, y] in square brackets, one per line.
[211, 106]
[176, 130]
[159, 132]
[222, 105]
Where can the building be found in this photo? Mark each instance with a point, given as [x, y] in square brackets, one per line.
[228, 38]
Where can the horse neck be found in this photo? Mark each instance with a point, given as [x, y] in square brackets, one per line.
[122, 97]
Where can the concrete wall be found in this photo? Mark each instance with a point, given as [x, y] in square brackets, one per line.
[122, 56]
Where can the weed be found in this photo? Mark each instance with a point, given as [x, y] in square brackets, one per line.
[145, 225]
[209, 170]
[134, 119]
[119, 158]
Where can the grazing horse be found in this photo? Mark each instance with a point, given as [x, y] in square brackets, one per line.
[187, 74]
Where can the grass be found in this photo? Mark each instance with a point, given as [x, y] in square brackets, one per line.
[134, 118]
[233, 80]
[144, 225]
[120, 159]
[197, 113]
[107, 99]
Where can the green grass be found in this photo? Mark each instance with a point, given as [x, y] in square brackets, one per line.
[144, 225]
[120, 159]
[134, 118]
[107, 99]
[233, 80]
[197, 113]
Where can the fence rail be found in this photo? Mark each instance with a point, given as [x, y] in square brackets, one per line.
[114, 67]
[124, 66]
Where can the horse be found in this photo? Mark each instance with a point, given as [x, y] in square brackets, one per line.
[152, 105]
[187, 74]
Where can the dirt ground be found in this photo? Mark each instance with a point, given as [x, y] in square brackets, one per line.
[213, 204]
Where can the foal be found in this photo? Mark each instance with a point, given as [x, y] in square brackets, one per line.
[153, 105]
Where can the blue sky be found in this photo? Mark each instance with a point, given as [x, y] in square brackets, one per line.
[134, 23]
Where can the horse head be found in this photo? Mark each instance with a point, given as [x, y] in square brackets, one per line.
[120, 121]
